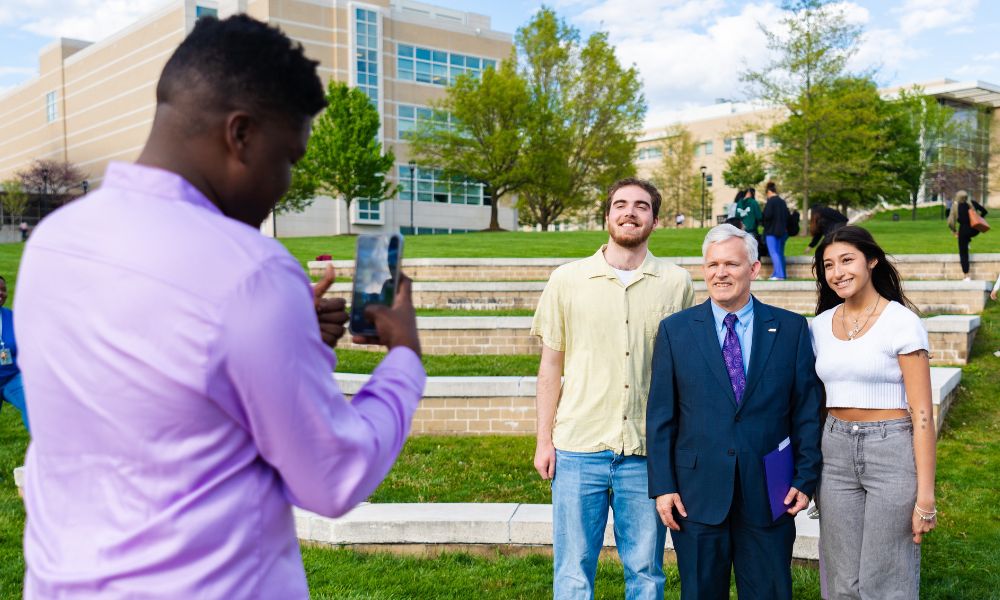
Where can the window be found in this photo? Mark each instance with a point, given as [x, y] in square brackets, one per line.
[51, 109]
[409, 117]
[432, 186]
[368, 211]
[204, 11]
[709, 146]
[366, 52]
[650, 152]
[708, 180]
[761, 140]
[436, 66]
[727, 144]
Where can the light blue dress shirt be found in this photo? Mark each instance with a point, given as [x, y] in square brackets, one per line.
[744, 328]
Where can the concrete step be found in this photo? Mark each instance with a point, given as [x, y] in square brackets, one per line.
[525, 525]
[951, 336]
[506, 405]
[910, 266]
[951, 297]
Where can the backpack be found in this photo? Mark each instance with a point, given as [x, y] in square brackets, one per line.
[793, 224]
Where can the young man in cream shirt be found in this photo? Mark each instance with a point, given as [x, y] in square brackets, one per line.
[597, 320]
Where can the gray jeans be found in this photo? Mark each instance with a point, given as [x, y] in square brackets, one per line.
[867, 492]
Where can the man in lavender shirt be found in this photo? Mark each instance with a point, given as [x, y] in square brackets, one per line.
[177, 360]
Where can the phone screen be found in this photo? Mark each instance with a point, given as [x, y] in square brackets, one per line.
[376, 275]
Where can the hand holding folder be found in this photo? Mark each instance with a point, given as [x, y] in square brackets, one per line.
[778, 471]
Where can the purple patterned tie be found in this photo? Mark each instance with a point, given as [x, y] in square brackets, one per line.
[733, 355]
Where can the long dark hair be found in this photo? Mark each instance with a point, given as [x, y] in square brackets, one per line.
[885, 278]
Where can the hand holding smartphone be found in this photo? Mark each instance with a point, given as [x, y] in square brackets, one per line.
[381, 304]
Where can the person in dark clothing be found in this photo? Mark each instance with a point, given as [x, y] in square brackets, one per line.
[958, 222]
[823, 220]
[775, 221]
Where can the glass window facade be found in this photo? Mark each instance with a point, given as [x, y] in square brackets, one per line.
[437, 67]
[708, 180]
[650, 152]
[433, 186]
[408, 118]
[51, 107]
[727, 144]
[366, 52]
[368, 210]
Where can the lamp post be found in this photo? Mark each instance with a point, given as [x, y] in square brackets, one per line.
[702, 169]
[413, 195]
[45, 191]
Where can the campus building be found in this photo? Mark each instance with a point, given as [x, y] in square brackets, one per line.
[716, 130]
[93, 103]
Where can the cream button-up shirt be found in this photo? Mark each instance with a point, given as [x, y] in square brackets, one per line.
[607, 331]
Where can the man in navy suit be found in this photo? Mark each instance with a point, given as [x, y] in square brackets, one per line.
[732, 378]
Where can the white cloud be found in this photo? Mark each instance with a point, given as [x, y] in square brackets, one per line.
[688, 52]
[18, 71]
[89, 20]
[917, 16]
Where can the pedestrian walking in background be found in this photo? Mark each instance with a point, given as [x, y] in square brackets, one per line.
[960, 222]
[823, 221]
[775, 220]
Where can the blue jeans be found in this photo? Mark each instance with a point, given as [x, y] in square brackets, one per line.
[586, 484]
[776, 248]
[13, 392]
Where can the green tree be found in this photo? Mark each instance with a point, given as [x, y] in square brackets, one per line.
[678, 180]
[586, 115]
[810, 48]
[486, 139]
[848, 160]
[344, 157]
[744, 169]
[15, 199]
[919, 128]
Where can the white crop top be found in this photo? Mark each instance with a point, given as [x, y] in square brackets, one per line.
[864, 372]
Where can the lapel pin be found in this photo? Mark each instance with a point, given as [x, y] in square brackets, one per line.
[772, 330]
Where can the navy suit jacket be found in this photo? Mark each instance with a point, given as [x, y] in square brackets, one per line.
[696, 433]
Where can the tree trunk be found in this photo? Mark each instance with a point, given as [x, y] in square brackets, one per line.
[347, 201]
[913, 194]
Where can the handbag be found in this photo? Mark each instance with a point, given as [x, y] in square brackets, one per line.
[976, 220]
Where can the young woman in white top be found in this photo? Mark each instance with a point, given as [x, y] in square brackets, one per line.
[876, 496]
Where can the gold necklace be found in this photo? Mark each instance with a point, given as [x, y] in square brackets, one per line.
[852, 333]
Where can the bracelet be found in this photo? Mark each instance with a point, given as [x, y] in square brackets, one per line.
[925, 515]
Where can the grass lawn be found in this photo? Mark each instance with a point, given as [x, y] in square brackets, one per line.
[447, 365]
[927, 235]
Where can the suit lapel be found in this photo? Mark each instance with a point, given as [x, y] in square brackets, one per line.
[707, 338]
[765, 330]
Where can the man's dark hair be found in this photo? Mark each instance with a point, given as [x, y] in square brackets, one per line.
[648, 187]
[242, 63]
[771, 187]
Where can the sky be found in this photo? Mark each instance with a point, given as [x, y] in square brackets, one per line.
[689, 52]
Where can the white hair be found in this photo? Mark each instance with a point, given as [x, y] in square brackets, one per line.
[721, 233]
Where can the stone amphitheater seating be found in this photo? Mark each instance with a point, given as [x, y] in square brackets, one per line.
[952, 297]
[927, 267]
[951, 336]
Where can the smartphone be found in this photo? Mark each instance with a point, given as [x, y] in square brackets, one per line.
[376, 277]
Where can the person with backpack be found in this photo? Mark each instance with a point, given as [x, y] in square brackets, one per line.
[960, 223]
[823, 220]
[776, 219]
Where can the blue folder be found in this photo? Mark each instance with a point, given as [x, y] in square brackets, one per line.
[778, 471]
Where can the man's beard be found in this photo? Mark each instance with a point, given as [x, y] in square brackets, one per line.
[629, 241]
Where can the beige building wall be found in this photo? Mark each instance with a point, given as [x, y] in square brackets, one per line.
[105, 92]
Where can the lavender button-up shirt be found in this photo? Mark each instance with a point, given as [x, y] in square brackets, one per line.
[182, 401]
